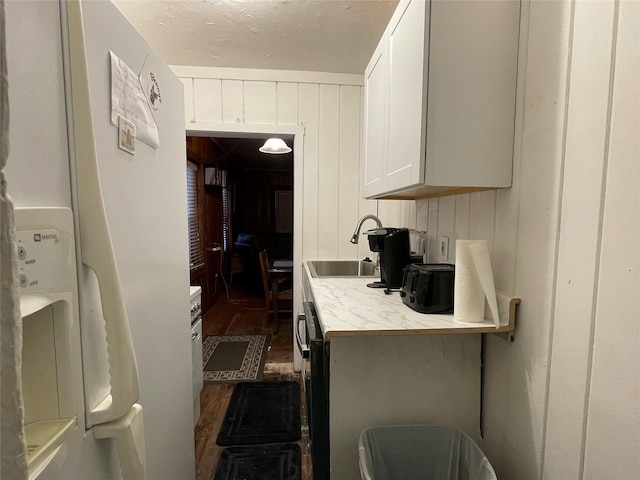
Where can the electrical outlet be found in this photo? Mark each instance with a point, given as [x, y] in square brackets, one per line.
[444, 249]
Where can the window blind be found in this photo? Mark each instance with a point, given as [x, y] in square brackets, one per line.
[226, 219]
[196, 255]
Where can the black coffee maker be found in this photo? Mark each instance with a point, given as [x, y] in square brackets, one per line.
[393, 248]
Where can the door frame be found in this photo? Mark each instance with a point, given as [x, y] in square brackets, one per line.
[235, 130]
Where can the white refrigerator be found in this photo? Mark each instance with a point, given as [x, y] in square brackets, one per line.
[97, 168]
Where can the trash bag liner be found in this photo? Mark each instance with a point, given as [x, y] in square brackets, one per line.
[412, 452]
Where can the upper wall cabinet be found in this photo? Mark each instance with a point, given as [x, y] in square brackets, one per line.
[440, 95]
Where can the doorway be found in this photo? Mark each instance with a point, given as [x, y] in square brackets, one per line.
[244, 204]
[261, 207]
[294, 134]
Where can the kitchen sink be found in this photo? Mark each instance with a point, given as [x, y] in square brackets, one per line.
[342, 268]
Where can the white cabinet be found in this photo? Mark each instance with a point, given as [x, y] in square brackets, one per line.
[408, 43]
[376, 99]
[440, 99]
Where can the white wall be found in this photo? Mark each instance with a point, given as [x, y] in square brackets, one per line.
[563, 400]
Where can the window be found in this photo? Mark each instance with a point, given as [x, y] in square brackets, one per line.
[196, 255]
[226, 219]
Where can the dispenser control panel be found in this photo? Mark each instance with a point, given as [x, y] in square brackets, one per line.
[44, 262]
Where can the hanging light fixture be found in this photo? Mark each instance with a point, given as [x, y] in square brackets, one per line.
[275, 145]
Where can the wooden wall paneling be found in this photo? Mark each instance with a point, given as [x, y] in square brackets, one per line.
[298, 223]
[195, 150]
[364, 206]
[413, 214]
[308, 95]
[613, 434]
[213, 236]
[232, 101]
[349, 155]
[482, 221]
[521, 435]
[407, 213]
[506, 238]
[587, 129]
[286, 103]
[433, 247]
[482, 217]
[328, 171]
[388, 213]
[498, 351]
[422, 215]
[256, 215]
[446, 225]
[208, 91]
[461, 226]
[189, 113]
[265, 75]
[202, 150]
[398, 213]
[260, 103]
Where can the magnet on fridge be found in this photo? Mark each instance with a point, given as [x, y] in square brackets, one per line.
[126, 135]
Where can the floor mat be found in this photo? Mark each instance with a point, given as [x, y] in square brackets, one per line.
[229, 358]
[260, 462]
[262, 412]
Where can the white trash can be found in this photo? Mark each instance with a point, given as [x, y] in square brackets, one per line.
[421, 452]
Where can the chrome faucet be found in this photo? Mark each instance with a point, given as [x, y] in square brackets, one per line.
[354, 238]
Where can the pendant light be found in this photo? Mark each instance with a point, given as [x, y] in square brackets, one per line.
[275, 146]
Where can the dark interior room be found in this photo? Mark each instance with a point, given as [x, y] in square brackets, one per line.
[241, 203]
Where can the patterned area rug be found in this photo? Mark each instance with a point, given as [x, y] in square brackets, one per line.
[234, 358]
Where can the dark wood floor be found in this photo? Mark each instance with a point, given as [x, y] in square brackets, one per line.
[242, 314]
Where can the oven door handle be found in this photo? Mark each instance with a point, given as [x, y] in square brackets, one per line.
[302, 347]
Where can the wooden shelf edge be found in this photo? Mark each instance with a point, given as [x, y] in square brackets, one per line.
[507, 310]
[430, 191]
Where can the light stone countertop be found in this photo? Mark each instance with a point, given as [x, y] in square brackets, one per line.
[347, 307]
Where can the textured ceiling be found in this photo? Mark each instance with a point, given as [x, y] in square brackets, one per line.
[315, 35]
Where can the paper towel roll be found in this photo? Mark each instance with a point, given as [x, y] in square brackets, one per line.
[474, 282]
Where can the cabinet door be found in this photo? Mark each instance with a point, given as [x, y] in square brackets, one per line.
[473, 59]
[376, 97]
[408, 73]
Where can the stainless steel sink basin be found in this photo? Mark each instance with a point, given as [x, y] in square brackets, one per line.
[342, 268]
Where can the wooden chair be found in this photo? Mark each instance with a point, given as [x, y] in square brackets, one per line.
[274, 290]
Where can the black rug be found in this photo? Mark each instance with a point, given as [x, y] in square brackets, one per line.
[260, 462]
[262, 412]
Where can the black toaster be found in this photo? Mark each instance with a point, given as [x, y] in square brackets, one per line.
[428, 287]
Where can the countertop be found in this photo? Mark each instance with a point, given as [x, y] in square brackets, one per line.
[194, 291]
[347, 307]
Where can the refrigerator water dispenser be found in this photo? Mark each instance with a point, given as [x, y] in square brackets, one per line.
[51, 368]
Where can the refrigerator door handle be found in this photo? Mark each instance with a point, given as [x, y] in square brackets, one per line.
[95, 240]
[128, 432]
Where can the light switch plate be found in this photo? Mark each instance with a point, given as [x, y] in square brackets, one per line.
[444, 249]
